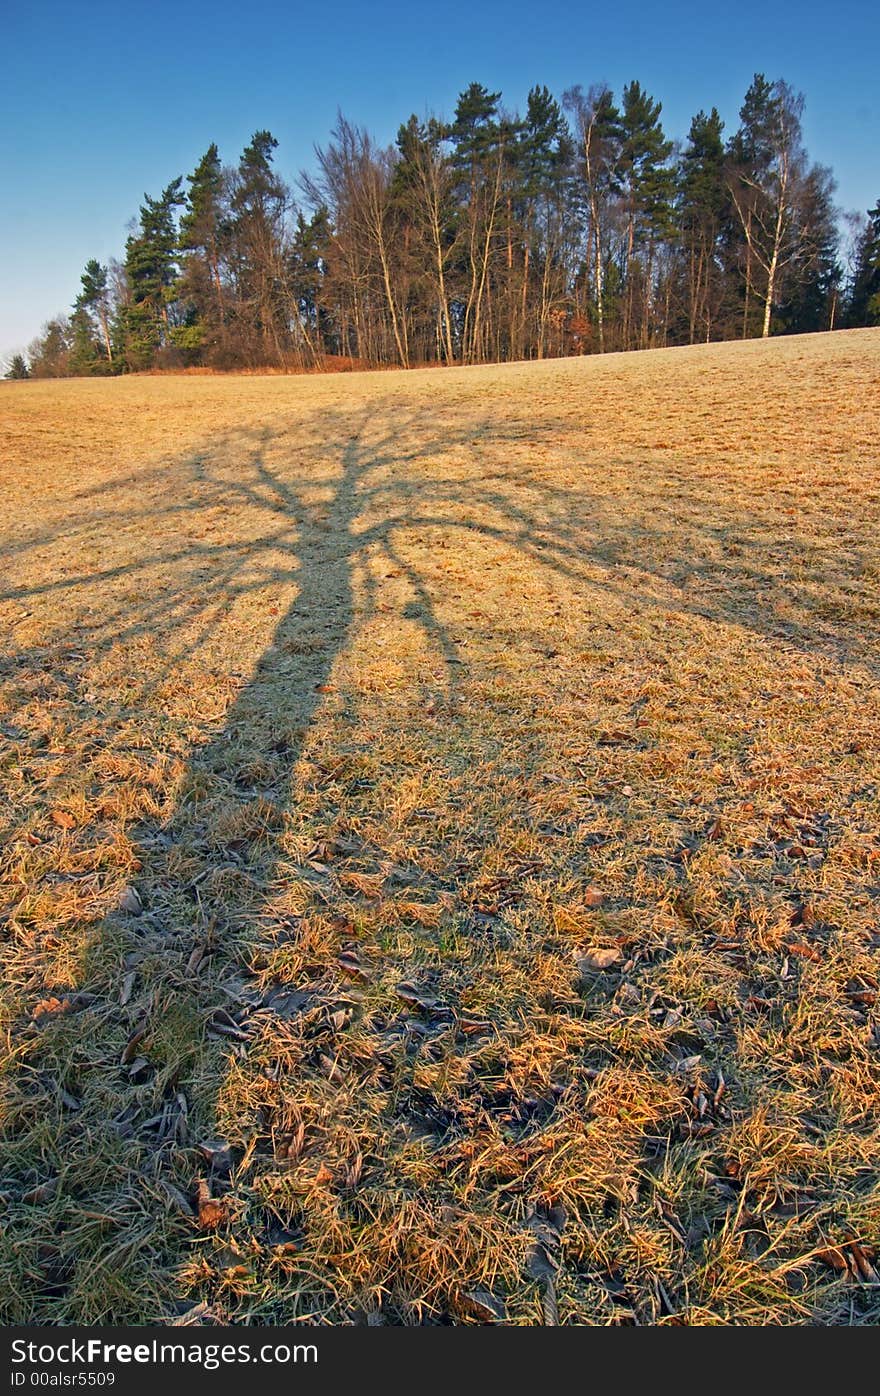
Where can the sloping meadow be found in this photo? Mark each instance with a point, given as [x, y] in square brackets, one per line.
[441, 843]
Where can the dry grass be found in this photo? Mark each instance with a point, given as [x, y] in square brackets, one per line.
[441, 854]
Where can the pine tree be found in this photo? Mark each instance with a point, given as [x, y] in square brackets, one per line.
[864, 303]
[702, 208]
[204, 227]
[307, 262]
[92, 351]
[256, 242]
[18, 367]
[813, 290]
[481, 149]
[151, 269]
[544, 158]
[649, 186]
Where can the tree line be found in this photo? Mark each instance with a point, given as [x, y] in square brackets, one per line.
[578, 226]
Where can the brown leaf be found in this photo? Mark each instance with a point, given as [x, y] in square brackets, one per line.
[863, 1266]
[806, 952]
[599, 959]
[351, 965]
[213, 1211]
[804, 915]
[410, 994]
[472, 1026]
[331, 1069]
[63, 819]
[49, 1008]
[594, 896]
[834, 1258]
[195, 959]
[615, 736]
[192, 1317]
[130, 1049]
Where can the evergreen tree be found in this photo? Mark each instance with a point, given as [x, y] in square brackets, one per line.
[864, 304]
[151, 269]
[18, 367]
[204, 228]
[474, 131]
[257, 254]
[91, 350]
[703, 208]
[547, 212]
[307, 262]
[482, 148]
[649, 186]
[813, 290]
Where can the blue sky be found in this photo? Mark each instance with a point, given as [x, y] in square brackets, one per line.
[101, 102]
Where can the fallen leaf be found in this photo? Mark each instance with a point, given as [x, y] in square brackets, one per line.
[63, 819]
[804, 915]
[48, 1008]
[131, 1046]
[410, 994]
[213, 1211]
[480, 1303]
[218, 1154]
[472, 1026]
[331, 1069]
[601, 958]
[192, 1317]
[806, 952]
[351, 965]
[832, 1257]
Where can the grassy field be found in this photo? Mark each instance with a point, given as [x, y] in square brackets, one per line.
[440, 837]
